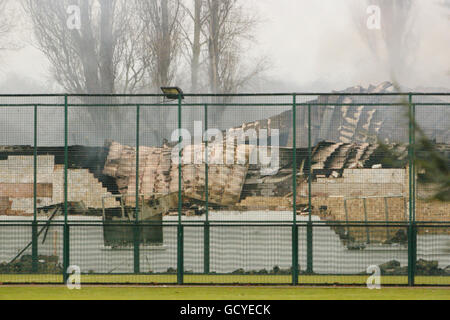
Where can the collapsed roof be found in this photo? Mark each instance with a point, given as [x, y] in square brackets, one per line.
[339, 120]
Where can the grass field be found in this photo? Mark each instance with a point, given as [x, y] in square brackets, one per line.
[219, 293]
[220, 279]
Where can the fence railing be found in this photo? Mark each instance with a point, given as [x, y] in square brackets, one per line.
[332, 189]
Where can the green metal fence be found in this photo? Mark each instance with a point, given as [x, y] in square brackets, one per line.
[346, 192]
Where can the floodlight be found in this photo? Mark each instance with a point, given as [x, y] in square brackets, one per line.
[172, 92]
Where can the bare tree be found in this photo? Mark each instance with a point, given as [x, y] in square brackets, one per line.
[103, 54]
[228, 26]
[6, 25]
[193, 39]
[196, 44]
[161, 29]
[100, 56]
[215, 45]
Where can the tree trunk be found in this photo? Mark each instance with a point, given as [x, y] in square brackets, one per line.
[213, 46]
[196, 46]
[87, 53]
[165, 45]
[106, 53]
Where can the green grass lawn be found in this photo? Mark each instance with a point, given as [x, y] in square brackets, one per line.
[219, 293]
[220, 279]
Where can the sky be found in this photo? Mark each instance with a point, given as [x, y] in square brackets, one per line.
[311, 45]
[315, 44]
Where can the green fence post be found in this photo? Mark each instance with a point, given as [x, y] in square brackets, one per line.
[66, 253]
[206, 248]
[34, 247]
[412, 253]
[309, 249]
[206, 229]
[309, 229]
[136, 264]
[294, 254]
[414, 225]
[180, 257]
[136, 230]
[411, 227]
[413, 107]
[294, 194]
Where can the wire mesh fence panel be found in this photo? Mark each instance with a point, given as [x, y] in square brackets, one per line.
[250, 159]
[158, 173]
[433, 254]
[193, 158]
[50, 160]
[17, 263]
[359, 163]
[103, 261]
[31, 137]
[16, 164]
[432, 160]
[90, 250]
[345, 260]
[160, 258]
[196, 259]
[95, 134]
[243, 253]
[362, 166]
[431, 175]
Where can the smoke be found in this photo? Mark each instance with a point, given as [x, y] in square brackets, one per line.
[325, 45]
[396, 37]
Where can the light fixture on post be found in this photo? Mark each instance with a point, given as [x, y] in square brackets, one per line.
[172, 93]
[175, 93]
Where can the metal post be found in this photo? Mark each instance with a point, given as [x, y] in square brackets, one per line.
[66, 253]
[180, 265]
[34, 247]
[206, 240]
[309, 229]
[411, 229]
[180, 258]
[413, 107]
[136, 224]
[206, 229]
[294, 194]
[412, 253]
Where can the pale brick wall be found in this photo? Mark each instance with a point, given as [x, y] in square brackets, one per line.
[82, 185]
[360, 183]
